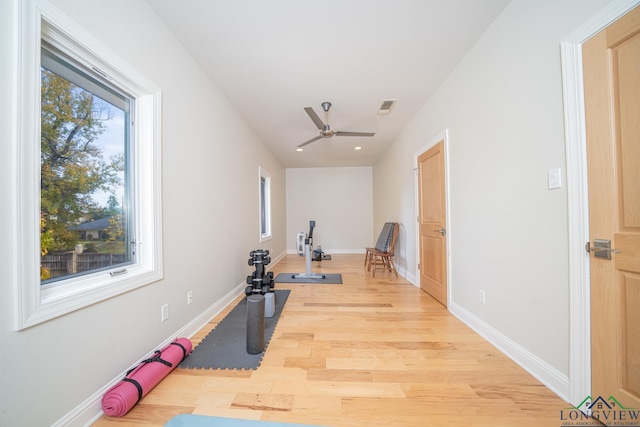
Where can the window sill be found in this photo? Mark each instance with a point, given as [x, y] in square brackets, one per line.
[265, 238]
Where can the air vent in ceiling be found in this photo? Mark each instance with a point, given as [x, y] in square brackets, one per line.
[387, 106]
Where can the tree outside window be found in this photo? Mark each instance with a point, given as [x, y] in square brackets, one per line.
[83, 146]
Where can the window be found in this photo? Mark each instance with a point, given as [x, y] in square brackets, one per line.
[88, 159]
[265, 205]
[85, 171]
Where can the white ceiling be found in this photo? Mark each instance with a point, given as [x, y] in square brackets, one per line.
[272, 58]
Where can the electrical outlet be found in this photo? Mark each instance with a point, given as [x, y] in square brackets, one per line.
[190, 297]
[482, 296]
[165, 312]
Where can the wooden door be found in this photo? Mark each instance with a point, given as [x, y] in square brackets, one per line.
[612, 107]
[432, 222]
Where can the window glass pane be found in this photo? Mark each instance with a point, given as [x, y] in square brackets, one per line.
[263, 207]
[84, 215]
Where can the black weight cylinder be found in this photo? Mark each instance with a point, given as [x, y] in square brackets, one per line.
[255, 324]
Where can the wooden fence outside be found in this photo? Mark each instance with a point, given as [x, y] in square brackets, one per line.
[62, 264]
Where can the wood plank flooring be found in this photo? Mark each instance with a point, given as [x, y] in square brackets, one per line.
[370, 352]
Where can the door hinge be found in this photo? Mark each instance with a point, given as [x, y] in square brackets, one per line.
[418, 266]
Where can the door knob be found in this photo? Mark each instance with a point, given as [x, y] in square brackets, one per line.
[442, 231]
[601, 248]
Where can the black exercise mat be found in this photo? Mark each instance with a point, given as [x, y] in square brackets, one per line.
[329, 279]
[225, 347]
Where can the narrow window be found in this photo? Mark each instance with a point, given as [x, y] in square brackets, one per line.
[265, 205]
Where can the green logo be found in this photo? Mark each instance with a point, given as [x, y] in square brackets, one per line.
[596, 411]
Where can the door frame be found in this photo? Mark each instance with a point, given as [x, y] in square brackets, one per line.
[577, 196]
[442, 136]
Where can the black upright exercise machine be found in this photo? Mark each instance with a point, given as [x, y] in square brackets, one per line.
[308, 251]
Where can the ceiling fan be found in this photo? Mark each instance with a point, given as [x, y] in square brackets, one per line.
[325, 130]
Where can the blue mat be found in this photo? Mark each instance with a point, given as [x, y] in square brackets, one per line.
[190, 420]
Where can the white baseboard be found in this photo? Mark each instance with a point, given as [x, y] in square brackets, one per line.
[276, 259]
[333, 251]
[555, 380]
[89, 411]
[408, 276]
[347, 251]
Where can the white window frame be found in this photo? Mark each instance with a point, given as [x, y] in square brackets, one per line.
[33, 304]
[264, 204]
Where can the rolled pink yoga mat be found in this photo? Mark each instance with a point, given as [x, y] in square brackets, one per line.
[120, 398]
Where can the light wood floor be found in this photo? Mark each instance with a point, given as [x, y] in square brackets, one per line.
[371, 352]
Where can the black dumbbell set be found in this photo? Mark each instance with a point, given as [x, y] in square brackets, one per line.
[260, 282]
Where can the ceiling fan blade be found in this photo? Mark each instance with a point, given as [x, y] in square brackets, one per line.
[314, 117]
[309, 141]
[340, 133]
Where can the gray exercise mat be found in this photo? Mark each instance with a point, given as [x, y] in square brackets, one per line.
[225, 347]
[329, 279]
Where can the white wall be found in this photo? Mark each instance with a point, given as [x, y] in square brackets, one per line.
[210, 214]
[340, 200]
[508, 232]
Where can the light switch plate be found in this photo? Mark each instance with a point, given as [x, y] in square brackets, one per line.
[555, 178]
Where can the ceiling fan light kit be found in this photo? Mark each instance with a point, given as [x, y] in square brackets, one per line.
[325, 129]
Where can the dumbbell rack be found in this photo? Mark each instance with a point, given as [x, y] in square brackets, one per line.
[260, 281]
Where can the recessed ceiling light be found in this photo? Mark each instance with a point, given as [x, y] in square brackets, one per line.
[357, 148]
[299, 149]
